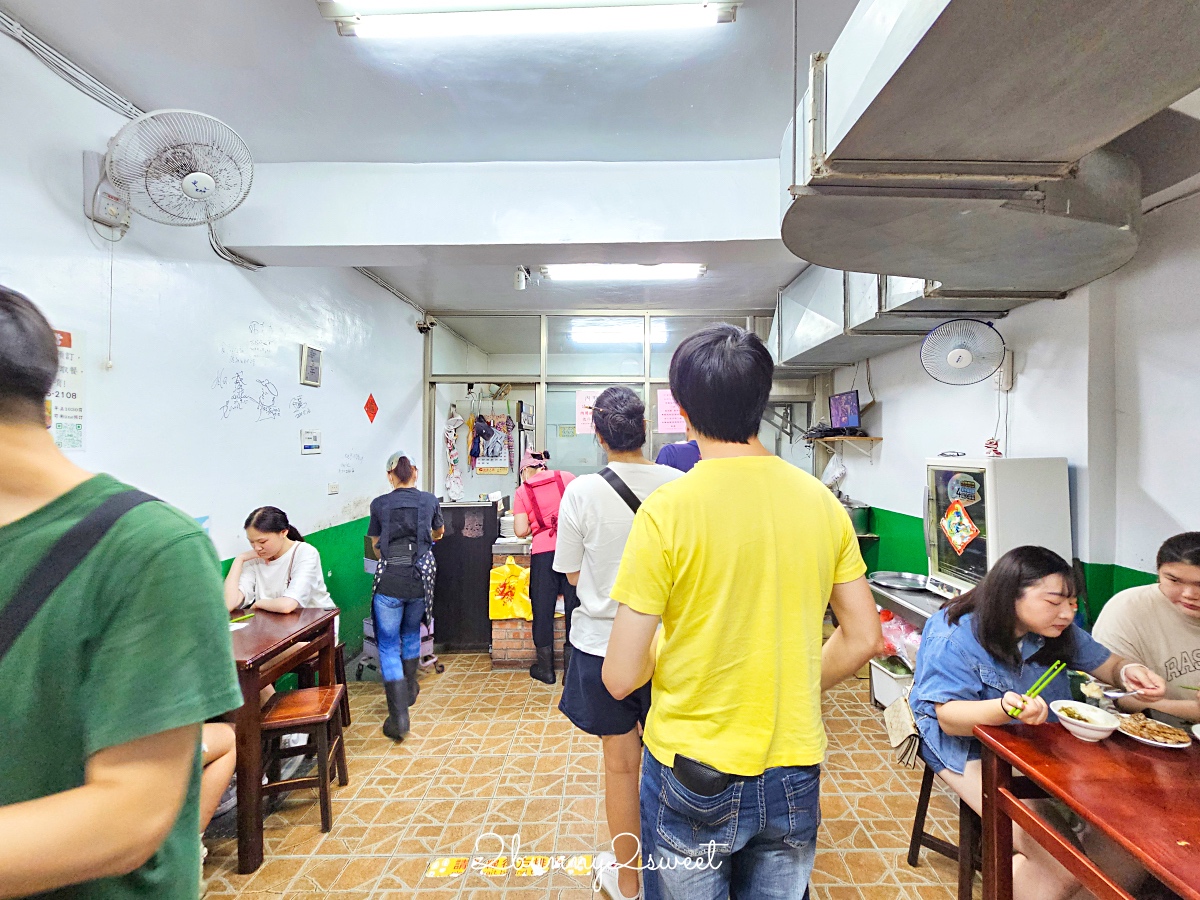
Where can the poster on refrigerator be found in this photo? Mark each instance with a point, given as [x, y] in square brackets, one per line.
[64, 405]
[584, 401]
[670, 419]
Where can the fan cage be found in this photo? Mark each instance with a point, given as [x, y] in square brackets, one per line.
[151, 155]
[984, 342]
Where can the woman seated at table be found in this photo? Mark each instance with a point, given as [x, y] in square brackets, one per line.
[979, 656]
[280, 573]
[1159, 625]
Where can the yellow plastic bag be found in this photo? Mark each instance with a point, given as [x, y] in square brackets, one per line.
[508, 596]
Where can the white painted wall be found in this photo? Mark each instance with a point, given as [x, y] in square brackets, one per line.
[184, 323]
[1109, 378]
[1156, 423]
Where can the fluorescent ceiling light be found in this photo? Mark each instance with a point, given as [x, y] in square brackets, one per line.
[623, 272]
[601, 332]
[464, 18]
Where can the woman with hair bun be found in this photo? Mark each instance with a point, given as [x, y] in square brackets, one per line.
[594, 520]
[280, 573]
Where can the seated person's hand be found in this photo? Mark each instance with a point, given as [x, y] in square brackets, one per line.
[1032, 711]
[1139, 678]
[247, 556]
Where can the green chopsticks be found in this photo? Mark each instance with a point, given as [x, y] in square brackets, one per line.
[242, 618]
[1038, 686]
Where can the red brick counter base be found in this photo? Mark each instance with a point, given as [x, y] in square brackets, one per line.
[512, 643]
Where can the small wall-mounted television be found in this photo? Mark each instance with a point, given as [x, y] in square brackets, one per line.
[843, 410]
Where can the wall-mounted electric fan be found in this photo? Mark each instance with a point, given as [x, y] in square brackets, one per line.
[962, 351]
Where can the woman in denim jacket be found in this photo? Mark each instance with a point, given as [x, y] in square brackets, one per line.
[978, 657]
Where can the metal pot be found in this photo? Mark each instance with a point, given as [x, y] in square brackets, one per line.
[859, 516]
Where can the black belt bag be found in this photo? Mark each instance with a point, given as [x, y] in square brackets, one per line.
[699, 778]
[398, 576]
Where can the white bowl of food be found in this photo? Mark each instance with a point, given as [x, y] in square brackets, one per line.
[1088, 723]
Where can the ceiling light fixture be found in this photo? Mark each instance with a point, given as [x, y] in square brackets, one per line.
[388, 19]
[623, 272]
[601, 332]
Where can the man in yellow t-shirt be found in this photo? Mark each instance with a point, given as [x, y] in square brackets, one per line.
[737, 560]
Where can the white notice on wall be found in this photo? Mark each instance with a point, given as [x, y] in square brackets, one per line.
[310, 442]
[670, 420]
[64, 405]
[584, 401]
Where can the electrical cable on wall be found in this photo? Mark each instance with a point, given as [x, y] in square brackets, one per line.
[390, 288]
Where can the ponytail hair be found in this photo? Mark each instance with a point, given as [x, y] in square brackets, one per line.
[272, 519]
[403, 470]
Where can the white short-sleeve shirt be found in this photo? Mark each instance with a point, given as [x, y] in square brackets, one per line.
[296, 574]
[593, 525]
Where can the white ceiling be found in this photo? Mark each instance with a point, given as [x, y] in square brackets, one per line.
[280, 75]
[741, 275]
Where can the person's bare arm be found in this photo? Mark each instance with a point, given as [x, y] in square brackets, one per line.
[233, 591]
[629, 662]
[521, 525]
[375, 546]
[277, 605]
[439, 533]
[572, 578]
[858, 637]
[128, 804]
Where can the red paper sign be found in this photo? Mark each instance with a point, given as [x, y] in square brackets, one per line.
[63, 339]
[371, 407]
[958, 527]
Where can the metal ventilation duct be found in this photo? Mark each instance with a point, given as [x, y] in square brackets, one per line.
[955, 139]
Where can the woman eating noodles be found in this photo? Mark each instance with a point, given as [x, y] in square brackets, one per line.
[979, 657]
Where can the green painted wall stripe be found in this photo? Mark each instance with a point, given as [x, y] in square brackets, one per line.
[341, 549]
[901, 548]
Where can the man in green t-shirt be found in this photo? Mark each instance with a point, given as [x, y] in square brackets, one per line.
[106, 689]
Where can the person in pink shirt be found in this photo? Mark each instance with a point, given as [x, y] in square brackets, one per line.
[535, 511]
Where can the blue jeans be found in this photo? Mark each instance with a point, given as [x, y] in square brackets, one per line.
[757, 838]
[397, 632]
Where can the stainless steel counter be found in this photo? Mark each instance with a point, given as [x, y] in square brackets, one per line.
[914, 607]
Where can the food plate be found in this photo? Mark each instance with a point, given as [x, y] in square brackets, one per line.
[904, 581]
[236, 626]
[1139, 722]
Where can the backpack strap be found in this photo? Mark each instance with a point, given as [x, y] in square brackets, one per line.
[624, 491]
[61, 560]
[536, 509]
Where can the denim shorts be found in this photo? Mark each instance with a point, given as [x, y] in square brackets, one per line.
[589, 705]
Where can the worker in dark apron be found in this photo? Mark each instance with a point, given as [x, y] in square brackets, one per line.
[404, 524]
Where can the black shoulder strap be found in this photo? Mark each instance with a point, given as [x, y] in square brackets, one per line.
[623, 490]
[53, 568]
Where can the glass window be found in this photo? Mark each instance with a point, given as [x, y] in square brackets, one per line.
[668, 332]
[595, 346]
[487, 345]
[570, 451]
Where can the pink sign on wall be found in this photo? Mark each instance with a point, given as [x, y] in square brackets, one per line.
[584, 400]
[670, 419]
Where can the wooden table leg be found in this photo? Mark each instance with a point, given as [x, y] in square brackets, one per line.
[997, 830]
[327, 658]
[249, 775]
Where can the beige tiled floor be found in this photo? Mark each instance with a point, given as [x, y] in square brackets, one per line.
[489, 752]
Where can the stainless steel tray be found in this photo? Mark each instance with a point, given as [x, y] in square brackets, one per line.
[903, 581]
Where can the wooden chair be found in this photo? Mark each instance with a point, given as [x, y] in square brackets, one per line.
[968, 852]
[306, 674]
[315, 712]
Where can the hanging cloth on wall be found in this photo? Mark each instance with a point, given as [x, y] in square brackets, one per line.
[454, 482]
[494, 454]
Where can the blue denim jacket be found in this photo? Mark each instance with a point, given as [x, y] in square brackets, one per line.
[952, 665]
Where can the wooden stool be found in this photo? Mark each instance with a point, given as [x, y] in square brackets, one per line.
[306, 675]
[314, 712]
[966, 854]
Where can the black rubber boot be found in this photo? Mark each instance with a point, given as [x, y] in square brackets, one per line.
[396, 724]
[410, 678]
[567, 651]
[543, 669]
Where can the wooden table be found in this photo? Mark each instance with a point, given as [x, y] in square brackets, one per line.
[1147, 799]
[261, 651]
